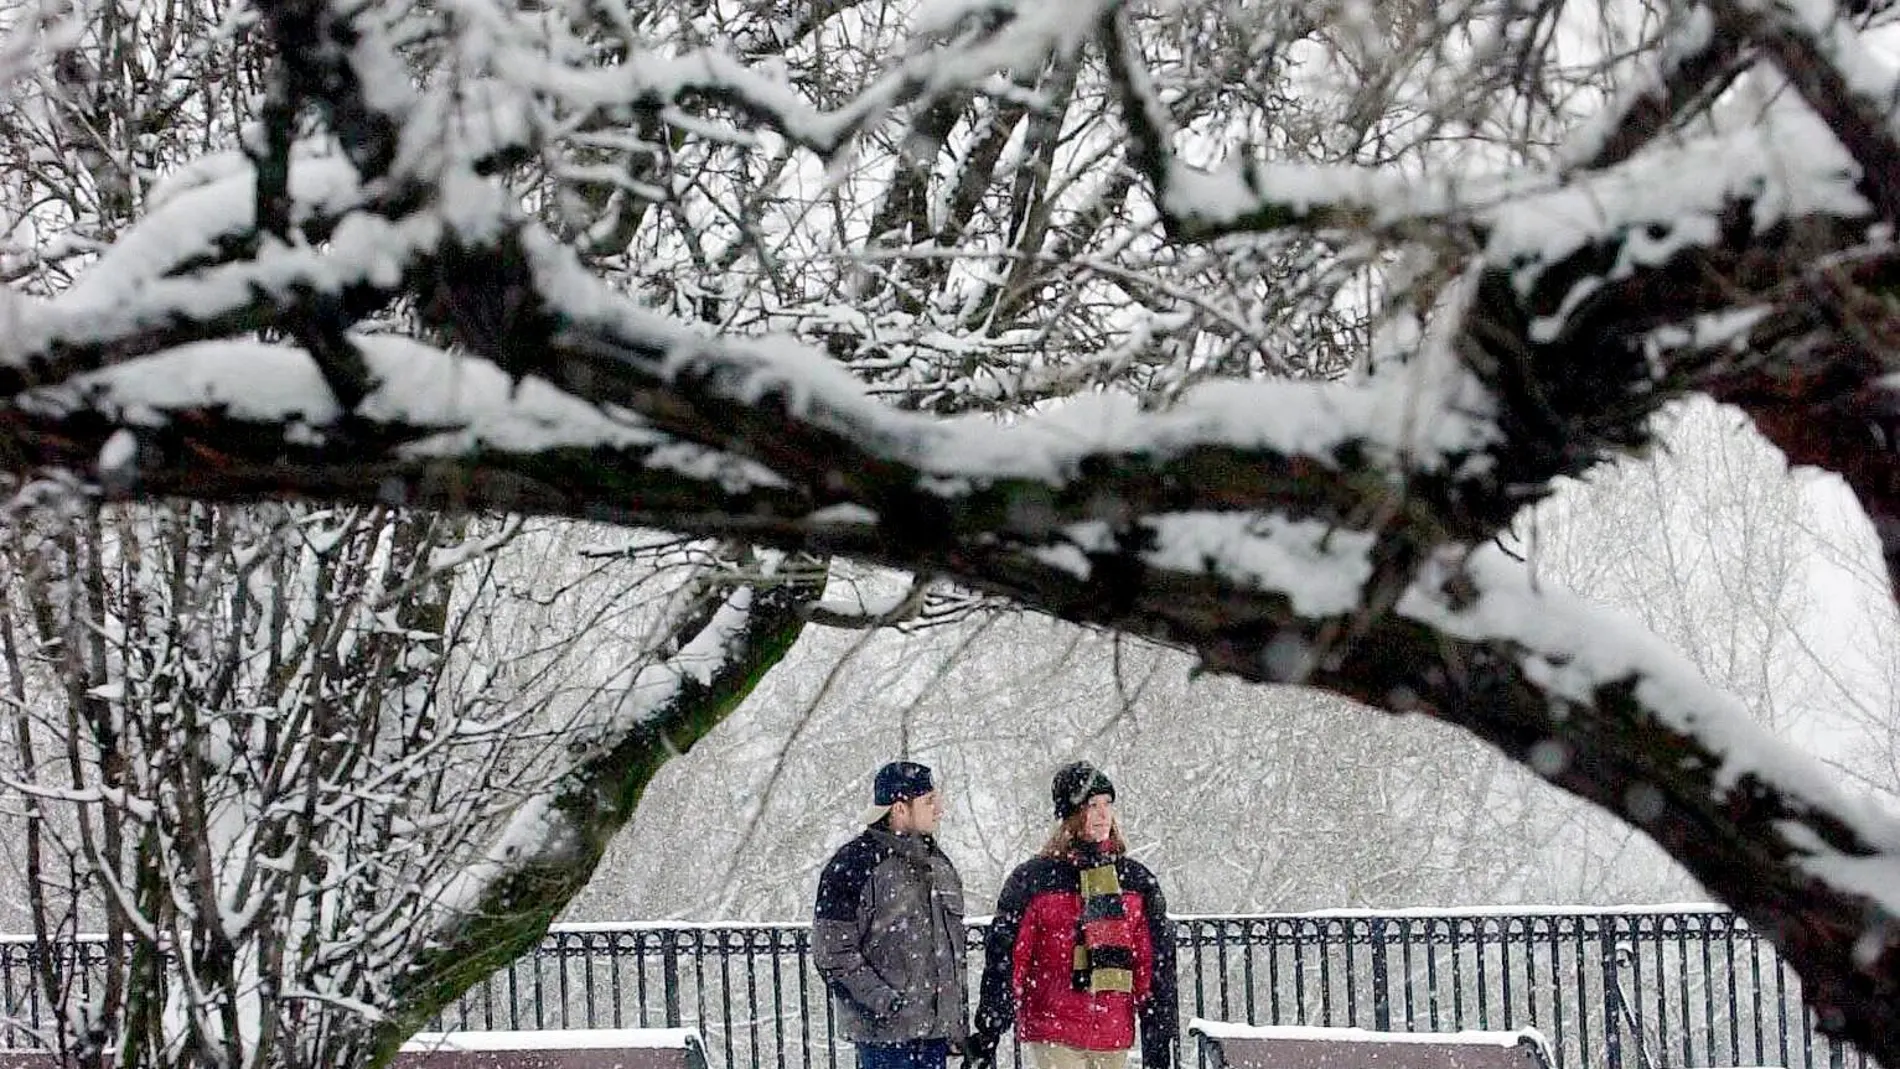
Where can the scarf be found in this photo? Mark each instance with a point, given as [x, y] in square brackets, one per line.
[1104, 940]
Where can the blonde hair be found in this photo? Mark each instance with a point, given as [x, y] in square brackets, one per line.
[1068, 832]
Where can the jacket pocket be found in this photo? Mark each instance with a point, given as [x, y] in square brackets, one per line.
[948, 905]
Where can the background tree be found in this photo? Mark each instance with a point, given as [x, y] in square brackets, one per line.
[302, 766]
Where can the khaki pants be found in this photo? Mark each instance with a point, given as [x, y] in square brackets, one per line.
[1057, 1056]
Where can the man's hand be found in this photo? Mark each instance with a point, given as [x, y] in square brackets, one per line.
[979, 1051]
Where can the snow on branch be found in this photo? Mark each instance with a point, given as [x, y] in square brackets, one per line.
[855, 608]
[201, 222]
[221, 419]
[1742, 189]
[113, 320]
[1695, 63]
[1789, 166]
[606, 347]
[1852, 89]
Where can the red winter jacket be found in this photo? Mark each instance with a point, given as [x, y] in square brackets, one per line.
[1028, 977]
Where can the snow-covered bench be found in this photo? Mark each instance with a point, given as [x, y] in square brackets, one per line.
[575, 1048]
[1240, 1046]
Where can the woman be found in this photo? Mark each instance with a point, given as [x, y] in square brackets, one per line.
[1081, 947]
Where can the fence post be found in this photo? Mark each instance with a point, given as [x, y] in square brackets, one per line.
[1381, 979]
[1612, 996]
[670, 976]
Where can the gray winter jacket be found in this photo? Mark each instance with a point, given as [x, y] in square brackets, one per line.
[887, 936]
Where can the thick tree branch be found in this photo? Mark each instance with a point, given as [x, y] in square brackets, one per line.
[1822, 391]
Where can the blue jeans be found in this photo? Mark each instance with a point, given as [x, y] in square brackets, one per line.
[911, 1054]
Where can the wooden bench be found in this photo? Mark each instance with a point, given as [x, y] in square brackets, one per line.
[574, 1048]
[1240, 1046]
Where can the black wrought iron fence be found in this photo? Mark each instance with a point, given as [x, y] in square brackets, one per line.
[1629, 989]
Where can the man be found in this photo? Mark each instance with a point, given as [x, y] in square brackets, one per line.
[887, 931]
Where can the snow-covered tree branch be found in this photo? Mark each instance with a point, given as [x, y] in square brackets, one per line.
[499, 907]
[1031, 302]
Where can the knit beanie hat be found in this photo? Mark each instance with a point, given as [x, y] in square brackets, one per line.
[1075, 784]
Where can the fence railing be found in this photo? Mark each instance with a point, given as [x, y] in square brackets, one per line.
[1629, 989]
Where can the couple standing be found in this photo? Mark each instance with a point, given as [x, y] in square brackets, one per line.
[1080, 949]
